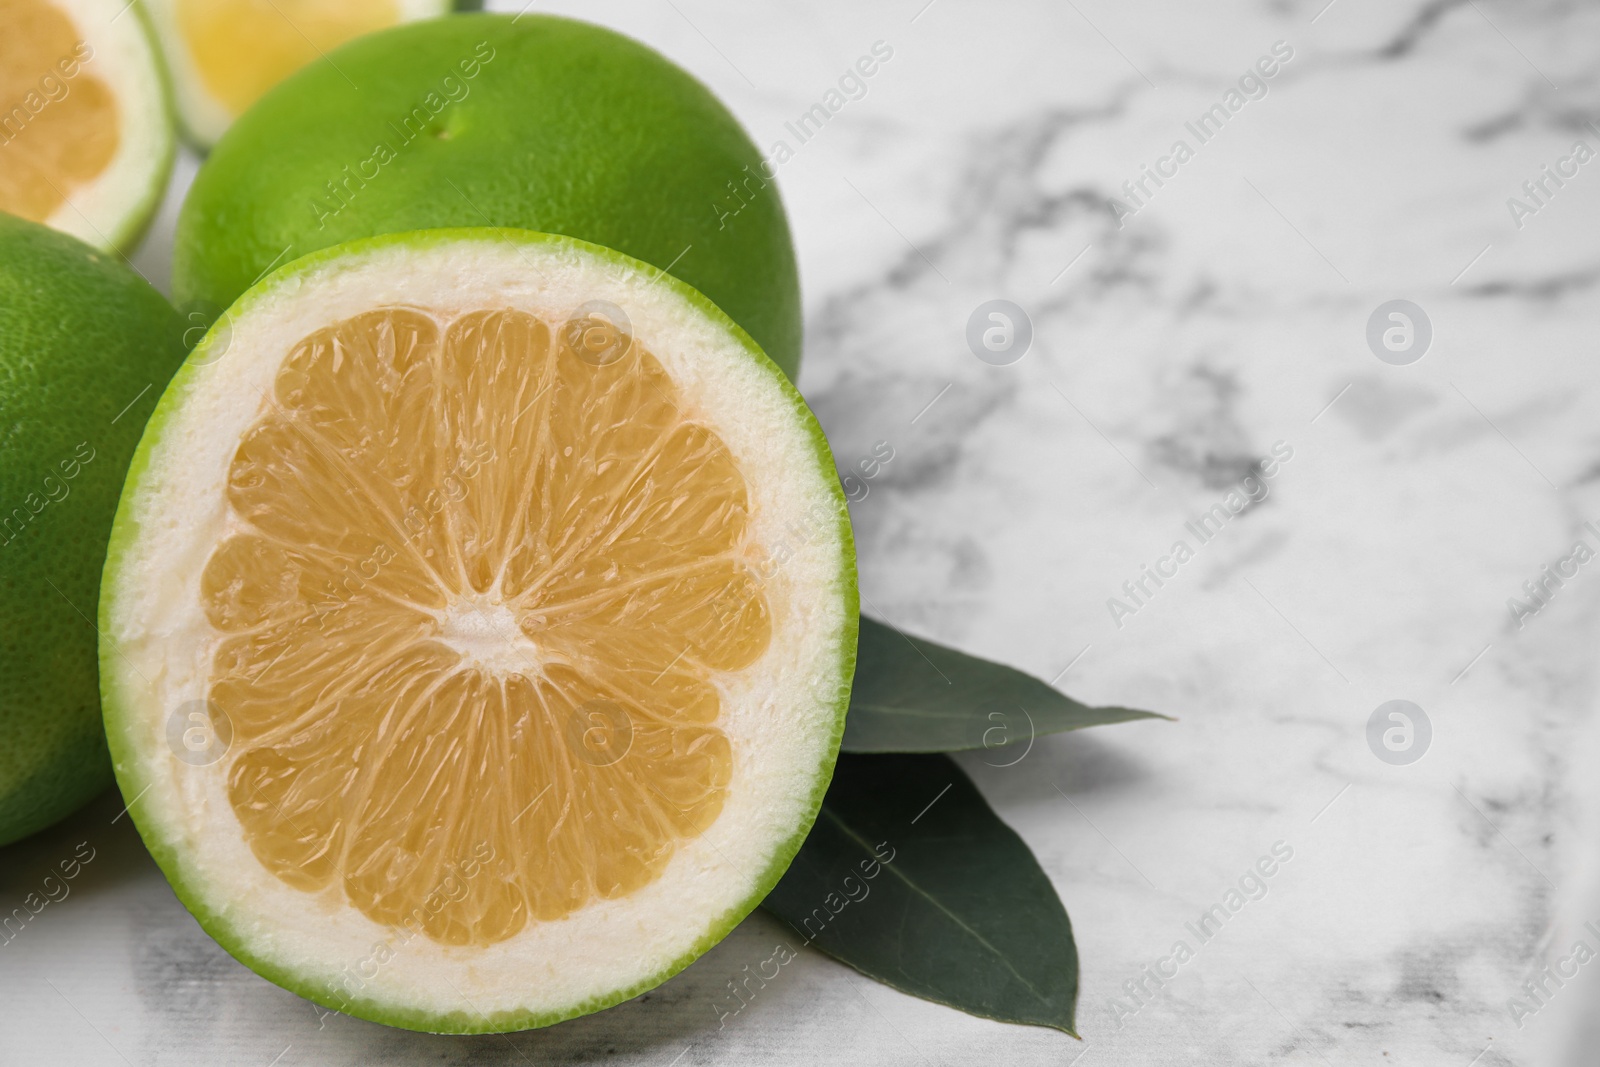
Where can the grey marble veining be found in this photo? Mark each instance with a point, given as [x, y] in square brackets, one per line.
[1222, 315]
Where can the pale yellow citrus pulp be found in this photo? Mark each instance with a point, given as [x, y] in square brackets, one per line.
[59, 127]
[242, 48]
[485, 574]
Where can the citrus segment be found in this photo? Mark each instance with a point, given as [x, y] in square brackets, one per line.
[517, 584]
[85, 144]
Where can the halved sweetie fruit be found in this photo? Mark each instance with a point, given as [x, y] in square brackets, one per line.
[224, 54]
[86, 141]
[478, 628]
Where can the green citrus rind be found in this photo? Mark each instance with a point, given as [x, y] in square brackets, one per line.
[84, 341]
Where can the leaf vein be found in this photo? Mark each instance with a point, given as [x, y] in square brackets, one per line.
[938, 905]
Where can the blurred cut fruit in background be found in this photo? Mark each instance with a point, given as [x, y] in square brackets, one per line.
[224, 54]
[86, 140]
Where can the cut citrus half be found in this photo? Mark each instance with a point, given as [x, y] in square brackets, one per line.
[224, 54]
[478, 628]
[86, 142]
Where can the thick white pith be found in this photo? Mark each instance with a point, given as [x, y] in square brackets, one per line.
[205, 118]
[110, 211]
[781, 714]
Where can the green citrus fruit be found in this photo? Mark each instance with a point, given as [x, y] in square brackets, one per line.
[534, 122]
[477, 628]
[223, 54]
[86, 139]
[85, 348]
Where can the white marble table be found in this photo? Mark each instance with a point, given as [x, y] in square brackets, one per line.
[1225, 311]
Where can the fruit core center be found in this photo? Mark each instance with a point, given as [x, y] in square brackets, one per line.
[484, 633]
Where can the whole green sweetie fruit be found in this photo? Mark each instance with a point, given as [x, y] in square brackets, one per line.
[530, 122]
[86, 346]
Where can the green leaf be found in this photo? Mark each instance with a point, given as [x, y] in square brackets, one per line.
[909, 877]
[912, 695]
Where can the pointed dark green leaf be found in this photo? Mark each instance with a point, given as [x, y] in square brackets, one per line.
[909, 877]
[912, 695]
